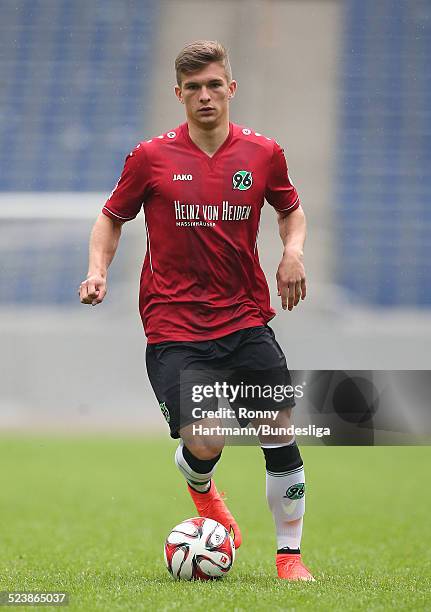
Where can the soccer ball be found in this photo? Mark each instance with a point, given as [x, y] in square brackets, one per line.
[199, 549]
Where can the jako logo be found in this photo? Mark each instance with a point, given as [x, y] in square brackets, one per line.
[182, 177]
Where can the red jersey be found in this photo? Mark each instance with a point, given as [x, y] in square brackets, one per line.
[201, 278]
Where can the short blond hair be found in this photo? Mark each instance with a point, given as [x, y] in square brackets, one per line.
[198, 54]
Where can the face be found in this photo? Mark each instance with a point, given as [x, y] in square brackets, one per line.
[206, 95]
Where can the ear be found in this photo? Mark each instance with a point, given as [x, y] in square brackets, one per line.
[179, 94]
[232, 89]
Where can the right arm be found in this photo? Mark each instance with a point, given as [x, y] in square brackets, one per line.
[104, 240]
[123, 204]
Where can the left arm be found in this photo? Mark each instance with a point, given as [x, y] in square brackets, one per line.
[291, 274]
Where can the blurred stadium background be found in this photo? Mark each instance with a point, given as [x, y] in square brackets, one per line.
[343, 85]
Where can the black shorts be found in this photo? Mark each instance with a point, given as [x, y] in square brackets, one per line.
[247, 358]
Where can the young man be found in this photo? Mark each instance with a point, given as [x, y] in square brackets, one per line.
[204, 300]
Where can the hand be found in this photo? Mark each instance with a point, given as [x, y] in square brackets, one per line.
[291, 279]
[92, 290]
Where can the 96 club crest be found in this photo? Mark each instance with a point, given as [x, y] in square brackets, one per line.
[242, 180]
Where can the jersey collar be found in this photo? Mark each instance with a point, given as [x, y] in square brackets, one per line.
[222, 147]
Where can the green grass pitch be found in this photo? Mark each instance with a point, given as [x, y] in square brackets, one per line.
[90, 515]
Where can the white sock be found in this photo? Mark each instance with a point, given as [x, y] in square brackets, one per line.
[200, 482]
[285, 492]
[290, 534]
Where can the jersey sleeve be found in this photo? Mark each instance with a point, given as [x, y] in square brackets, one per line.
[280, 192]
[128, 195]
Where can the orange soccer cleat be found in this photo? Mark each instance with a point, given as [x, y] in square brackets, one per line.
[211, 505]
[290, 567]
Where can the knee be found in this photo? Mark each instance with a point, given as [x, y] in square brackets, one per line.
[205, 449]
[279, 429]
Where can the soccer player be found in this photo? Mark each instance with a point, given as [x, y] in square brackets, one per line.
[204, 299]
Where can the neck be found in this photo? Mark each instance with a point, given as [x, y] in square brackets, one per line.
[209, 140]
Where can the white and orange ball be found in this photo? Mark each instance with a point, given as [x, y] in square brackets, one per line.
[199, 549]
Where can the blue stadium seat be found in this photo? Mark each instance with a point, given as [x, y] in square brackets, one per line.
[73, 90]
[384, 179]
[73, 96]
